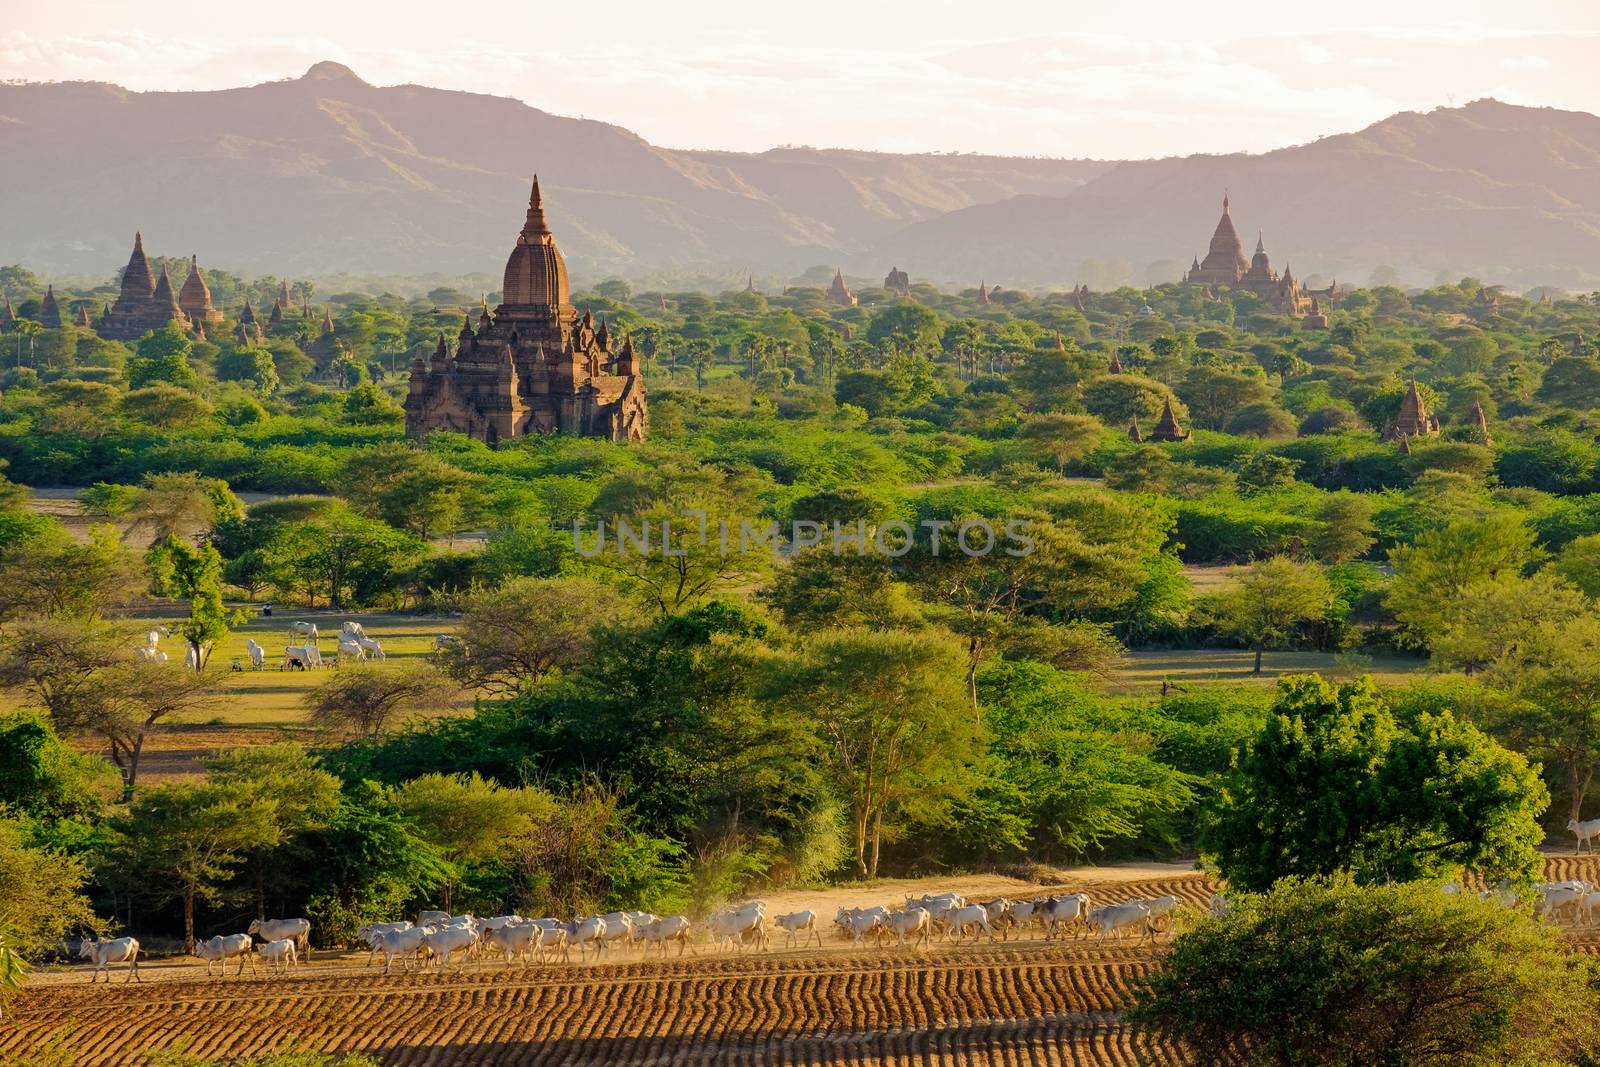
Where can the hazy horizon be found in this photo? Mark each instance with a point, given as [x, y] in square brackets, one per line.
[1013, 77]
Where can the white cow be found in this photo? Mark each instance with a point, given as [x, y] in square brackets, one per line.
[426, 917]
[1158, 906]
[672, 928]
[581, 932]
[739, 925]
[801, 925]
[350, 650]
[371, 648]
[280, 954]
[300, 657]
[105, 953]
[191, 658]
[372, 934]
[449, 940]
[1555, 898]
[307, 630]
[403, 943]
[973, 917]
[258, 655]
[296, 930]
[912, 920]
[224, 947]
[1114, 918]
[353, 629]
[857, 923]
[1061, 913]
[515, 941]
[619, 927]
[1585, 831]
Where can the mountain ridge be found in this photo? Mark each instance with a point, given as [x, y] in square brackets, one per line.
[326, 173]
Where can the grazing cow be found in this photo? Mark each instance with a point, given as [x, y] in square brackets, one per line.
[105, 953]
[300, 657]
[280, 954]
[258, 655]
[801, 925]
[1114, 918]
[352, 629]
[350, 650]
[224, 947]
[370, 647]
[1585, 831]
[307, 630]
[296, 930]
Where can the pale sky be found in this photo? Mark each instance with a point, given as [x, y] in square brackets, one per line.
[1013, 77]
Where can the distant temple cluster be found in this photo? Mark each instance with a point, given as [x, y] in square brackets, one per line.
[532, 366]
[1226, 268]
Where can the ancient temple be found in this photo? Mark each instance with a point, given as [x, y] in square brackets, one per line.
[325, 348]
[1413, 420]
[140, 307]
[82, 318]
[1166, 427]
[897, 282]
[275, 316]
[1080, 297]
[49, 310]
[1226, 268]
[983, 291]
[840, 293]
[1315, 318]
[1480, 423]
[536, 366]
[1133, 431]
[1115, 366]
[195, 297]
[248, 332]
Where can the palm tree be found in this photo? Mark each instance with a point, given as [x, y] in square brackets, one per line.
[29, 329]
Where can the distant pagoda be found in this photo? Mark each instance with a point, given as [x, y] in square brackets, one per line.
[897, 282]
[1413, 420]
[194, 299]
[840, 293]
[1166, 429]
[144, 304]
[49, 310]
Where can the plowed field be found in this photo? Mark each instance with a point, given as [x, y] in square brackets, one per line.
[1024, 1002]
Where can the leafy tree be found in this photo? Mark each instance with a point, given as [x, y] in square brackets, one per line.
[1557, 676]
[58, 665]
[365, 700]
[1330, 973]
[467, 818]
[181, 504]
[122, 703]
[1431, 572]
[513, 636]
[898, 738]
[195, 575]
[166, 407]
[1214, 395]
[253, 365]
[42, 890]
[1118, 399]
[1064, 438]
[914, 325]
[1268, 599]
[42, 777]
[408, 488]
[163, 358]
[1333, 784]
[183, 841]
[1344, 528]
[1492, 621]
[819, 589]
[56, 577]
[1580, 564]
[337, 554]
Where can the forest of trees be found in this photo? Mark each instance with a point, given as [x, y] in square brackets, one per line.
[669, 731]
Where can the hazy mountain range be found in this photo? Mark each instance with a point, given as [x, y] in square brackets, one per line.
[325, 174]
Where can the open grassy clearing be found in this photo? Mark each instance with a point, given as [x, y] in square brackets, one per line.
[1143, 672]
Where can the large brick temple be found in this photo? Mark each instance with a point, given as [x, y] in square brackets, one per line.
[533, 365]
[1226, 268]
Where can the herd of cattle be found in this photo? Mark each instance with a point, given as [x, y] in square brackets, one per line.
[354, 646]
[439, 937]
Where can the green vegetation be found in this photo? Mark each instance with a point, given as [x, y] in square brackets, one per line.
[1329, 973]
[667, 728]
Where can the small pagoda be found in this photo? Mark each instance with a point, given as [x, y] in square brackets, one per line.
[1167, 430]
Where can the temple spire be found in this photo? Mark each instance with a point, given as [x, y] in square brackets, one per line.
[535, 226]
[1260, 244]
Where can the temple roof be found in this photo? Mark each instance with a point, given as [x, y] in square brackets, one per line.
[1226, 250]
[136, 277]
[195, 294]
[1167, 428]
[536, 275]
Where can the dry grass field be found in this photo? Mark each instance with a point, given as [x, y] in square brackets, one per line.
[1026, 1001]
